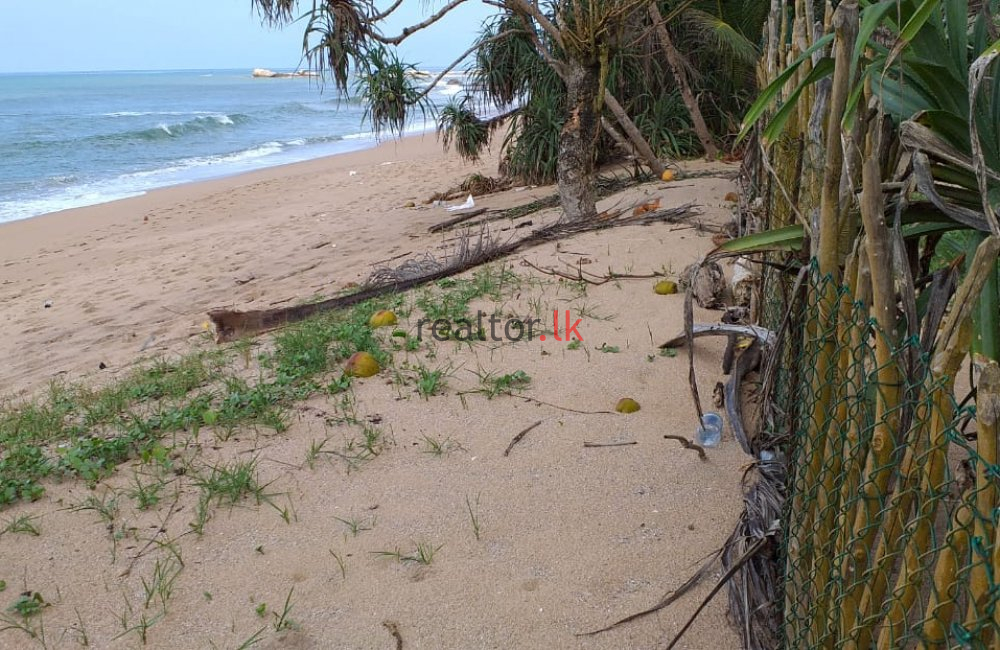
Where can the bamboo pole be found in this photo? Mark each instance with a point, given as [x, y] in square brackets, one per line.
[933, 487]
[987, 416]
[855, 451]
[878, 466]
[896, 514]
[952, 348]
[799, 555]
[845, 24]
[941, 601]
[828, 495]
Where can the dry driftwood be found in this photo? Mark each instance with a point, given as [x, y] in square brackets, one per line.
[519, 437]
[707, 282]
[606, 186]
[450, 223]
[687, 444]
[230, 325]
[746, 363]
[762, 334]
[590, 278]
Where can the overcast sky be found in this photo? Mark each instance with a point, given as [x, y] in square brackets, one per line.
[85, 35]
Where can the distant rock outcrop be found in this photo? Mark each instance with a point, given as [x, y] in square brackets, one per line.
[264, 73]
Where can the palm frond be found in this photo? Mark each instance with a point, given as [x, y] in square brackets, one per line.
[337, 35]
[459, 125]
[722, 37]
[275, 12]
[504, 69]
[389, 90]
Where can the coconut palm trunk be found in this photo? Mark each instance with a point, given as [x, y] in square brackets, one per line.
[640, 143]
[575, 167]
[676, 62]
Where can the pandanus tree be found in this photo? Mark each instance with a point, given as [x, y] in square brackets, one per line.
[683, 76]
[575, 39]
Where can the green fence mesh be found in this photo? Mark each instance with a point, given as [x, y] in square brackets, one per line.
[890, 529]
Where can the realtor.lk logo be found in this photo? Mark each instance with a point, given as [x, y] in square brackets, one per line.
[513, 329]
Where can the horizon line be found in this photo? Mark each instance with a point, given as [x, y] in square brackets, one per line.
[431, 67]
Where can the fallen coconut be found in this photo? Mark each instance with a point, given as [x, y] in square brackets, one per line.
[627, 405]
[361, 364]
[382, 318]
[665, 288]
[667, 176]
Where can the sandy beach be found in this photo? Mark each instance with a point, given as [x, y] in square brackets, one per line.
[135, 277]
[530, 549]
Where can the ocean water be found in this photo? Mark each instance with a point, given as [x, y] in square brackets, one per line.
[71, 140]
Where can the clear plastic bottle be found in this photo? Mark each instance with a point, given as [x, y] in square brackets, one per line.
[709, 432]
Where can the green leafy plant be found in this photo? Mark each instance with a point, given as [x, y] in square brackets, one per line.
[28, 604]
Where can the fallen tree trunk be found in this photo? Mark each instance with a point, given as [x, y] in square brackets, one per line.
[230, 325]
[465, 216]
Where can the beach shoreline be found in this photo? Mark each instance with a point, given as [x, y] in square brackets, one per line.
[181, 190]
[135, 277]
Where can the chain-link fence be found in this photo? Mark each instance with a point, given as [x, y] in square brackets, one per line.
[890, 531]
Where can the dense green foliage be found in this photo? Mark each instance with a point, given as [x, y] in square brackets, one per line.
[720, 44]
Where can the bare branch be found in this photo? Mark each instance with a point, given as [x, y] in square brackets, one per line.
[532, 9]
[385, 14]
[555, 64]
[408, 31]
[461, 58]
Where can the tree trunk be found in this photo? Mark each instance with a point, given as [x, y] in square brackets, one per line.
[577, 142]
[634, 135]
[677, 67]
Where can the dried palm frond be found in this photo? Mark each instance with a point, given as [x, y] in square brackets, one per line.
[755, 588]
[425, 265]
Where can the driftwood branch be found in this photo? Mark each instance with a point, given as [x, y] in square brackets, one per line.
[747, 362]
[762, 334]
[231, 324]
[605, 187]
[519, 437]
[564, 408]
[590, 278]
[450, 223]
[689, 339]
[687, 444]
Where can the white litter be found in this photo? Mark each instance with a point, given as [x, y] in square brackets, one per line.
[469, 203]
[352, 173]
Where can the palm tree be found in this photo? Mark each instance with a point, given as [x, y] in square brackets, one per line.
[574, 38]
[660, 92]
